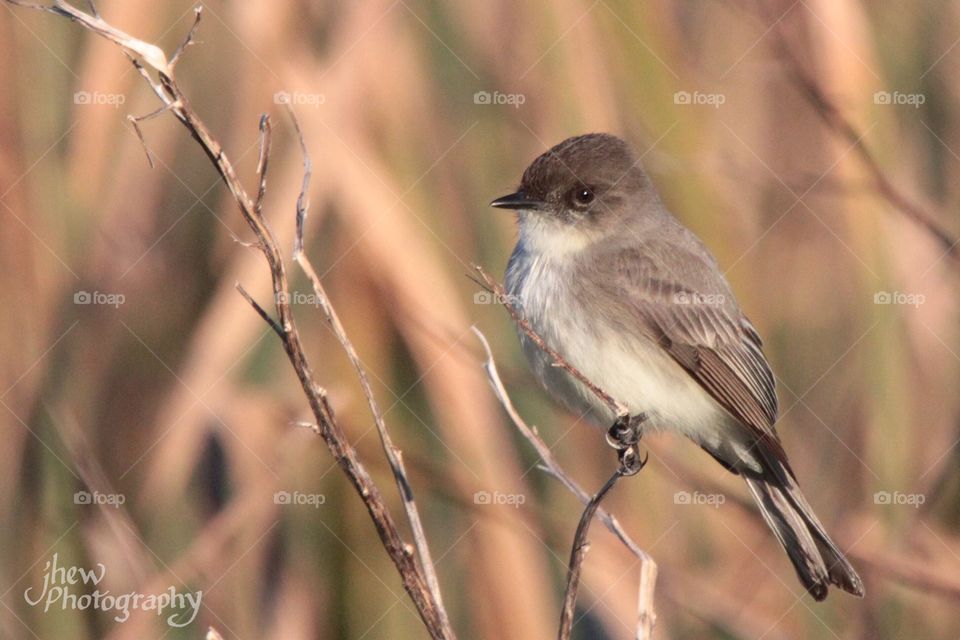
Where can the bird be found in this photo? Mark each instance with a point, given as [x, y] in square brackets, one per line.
[635, 301]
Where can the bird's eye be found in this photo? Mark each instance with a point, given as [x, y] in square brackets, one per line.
[582, 196]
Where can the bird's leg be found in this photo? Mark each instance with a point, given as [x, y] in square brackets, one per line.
[624, 436]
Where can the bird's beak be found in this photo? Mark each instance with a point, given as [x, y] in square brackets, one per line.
[518, 200]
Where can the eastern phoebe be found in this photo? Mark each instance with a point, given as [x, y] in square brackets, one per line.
[632, 298]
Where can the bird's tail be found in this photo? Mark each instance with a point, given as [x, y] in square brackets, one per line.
[817, 560]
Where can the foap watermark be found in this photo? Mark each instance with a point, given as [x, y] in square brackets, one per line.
[714, 100]
[299, 498]
[710, 499]
[899, 498]
[899, 297]
[97, 498]
[99, 297]
[489, 297]
[499, 498]
[98, 98]
[68, 588]
[299, 98]
[699, 299]
[512, 99]
[896, 98]
[298, 297]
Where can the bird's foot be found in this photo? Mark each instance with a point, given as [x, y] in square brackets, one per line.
[624, 436]
[626, 431]
[630, 461]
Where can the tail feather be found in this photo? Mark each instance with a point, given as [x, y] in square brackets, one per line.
[817, 560]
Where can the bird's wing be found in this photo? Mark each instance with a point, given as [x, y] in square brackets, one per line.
[692, 314]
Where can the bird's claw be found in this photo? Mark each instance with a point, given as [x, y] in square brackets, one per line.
[626, 431]
[624, 436]
[630, 461]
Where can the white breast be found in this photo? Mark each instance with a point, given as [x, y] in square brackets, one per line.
[631, 368]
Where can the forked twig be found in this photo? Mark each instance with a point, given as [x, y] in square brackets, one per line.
[189, 40]
[646, 616]
[394, 455]
[135, 123]
[423, 590]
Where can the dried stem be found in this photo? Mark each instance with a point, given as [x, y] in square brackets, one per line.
[260, 310]
[646, 616]
[578, 552]
[550, 463]
[394, 455]
[423, 591]
[135, 123]
[302, 205]
[263, 160]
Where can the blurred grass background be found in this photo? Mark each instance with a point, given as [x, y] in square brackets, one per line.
[181, 400]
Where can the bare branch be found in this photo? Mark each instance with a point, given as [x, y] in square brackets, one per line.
[394, 455]
[646, 616]
[169, 92]
[31, 5]
[189, 40]
[135, 122]
[550, 463]
[149, 53]
[154, 85]
[266, 138]
[577, 553]
[303, 201]
[260, 310]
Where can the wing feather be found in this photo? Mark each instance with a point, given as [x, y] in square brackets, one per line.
[698, 322]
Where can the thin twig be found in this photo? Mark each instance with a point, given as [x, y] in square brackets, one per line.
[394, 455]
[145, 54]
[646, 616]
[135, 122]
[577, 553]
[260, 310]
[154, 85]
[263, 160]
[149, 53]
[550, 463]
[303, 202]
[189, 40]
